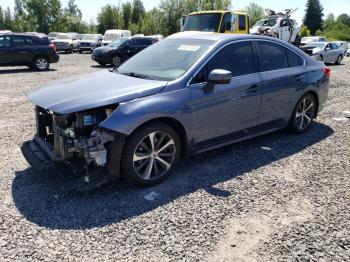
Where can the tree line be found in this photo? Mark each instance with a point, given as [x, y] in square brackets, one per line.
[49, 16]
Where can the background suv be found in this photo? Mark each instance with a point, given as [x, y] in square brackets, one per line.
[89, 42]
[66, 42]
[31, 50]
[121, 50]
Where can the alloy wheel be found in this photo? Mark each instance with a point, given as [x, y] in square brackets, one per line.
[41, 63]
[305, 113]
[154, 155]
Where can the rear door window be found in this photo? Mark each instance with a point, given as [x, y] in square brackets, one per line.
[271, 56]
[19, 41]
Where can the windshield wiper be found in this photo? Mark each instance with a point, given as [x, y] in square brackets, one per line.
[133, 74]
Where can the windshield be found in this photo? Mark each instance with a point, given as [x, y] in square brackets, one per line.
[111, 37]
[203, 22]
[318, 45]
[166, 60]
[118, 42]
[52, 35]
[266, 22]
[89, 37]
[67, 37]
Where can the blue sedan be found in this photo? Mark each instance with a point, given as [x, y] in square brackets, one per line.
[184, 95]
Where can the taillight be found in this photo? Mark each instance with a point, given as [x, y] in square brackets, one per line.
[326, 71]
[52, 45]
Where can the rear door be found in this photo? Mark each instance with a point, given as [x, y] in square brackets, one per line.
[227, 110]
[283, 76]
[5, 50]
[22, 49]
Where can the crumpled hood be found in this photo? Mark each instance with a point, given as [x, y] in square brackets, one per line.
[92, 90]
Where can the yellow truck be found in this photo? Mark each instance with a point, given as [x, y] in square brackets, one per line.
[231, 22]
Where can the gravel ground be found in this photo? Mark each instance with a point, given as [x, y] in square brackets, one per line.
[279, 197]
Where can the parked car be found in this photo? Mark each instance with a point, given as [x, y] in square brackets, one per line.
[113, 34]
[326, 52]
[343, 45]
[312, 39]
[32, 50]
[52, 35]
[89, 42]
[121, 50]
[66, 42]
[181, 96]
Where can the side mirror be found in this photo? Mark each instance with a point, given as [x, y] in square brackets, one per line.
[217, 76]
[220, 76]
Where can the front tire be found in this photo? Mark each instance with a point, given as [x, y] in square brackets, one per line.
[303, 114]
[150, 154]
[41, 64]
[117, 61]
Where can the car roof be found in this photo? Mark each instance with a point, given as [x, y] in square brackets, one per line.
[219, 37]
[25, 34]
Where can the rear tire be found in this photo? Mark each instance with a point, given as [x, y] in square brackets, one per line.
[145, 163]
[80, 51]
[338, 62]
[41, 63]
[303, 114]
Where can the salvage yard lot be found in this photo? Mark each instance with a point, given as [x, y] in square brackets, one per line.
[276, 197]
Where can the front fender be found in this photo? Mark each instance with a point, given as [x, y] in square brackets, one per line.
[132, 114]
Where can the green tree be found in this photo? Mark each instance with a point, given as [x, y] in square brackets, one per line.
[8, 22]
[138, 11]
[344, 19]
[329, 22]
[255, 12]
[2, 19]
[215, 4]
[152, 22]
[313, 16]
[73, 9]
[304, 31]
[109, 18]
[173, 11]
[126, 13]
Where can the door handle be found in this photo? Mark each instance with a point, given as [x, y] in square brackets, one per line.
[299, 77]
[252, 90]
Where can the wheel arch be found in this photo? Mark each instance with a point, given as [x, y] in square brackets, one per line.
[176, 125]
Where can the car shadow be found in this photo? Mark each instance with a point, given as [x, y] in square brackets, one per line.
[40, 198]
[23, 70]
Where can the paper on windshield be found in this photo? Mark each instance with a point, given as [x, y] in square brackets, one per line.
[192, 48]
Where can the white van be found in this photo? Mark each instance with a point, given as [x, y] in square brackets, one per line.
[114, 34]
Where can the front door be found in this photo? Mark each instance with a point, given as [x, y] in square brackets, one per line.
[227, 110]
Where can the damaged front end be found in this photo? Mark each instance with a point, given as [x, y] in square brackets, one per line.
[74, 139]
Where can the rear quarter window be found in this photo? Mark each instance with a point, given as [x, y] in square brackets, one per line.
[294, 60]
